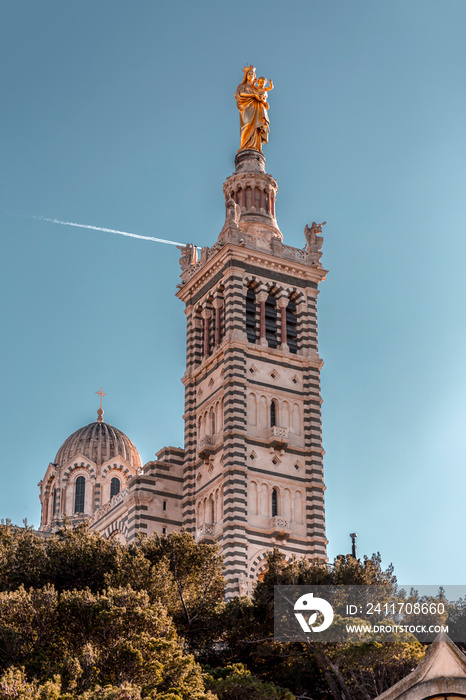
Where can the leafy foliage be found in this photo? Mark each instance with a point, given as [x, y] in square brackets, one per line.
[188, 577]
[351, 671]
[96, 639]
[74, 558]
[235, 682]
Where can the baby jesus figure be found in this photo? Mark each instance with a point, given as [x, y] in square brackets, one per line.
[262, 90]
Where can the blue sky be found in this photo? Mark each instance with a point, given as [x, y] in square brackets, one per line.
[122, 115]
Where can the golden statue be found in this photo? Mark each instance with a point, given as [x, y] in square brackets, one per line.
[251, 100]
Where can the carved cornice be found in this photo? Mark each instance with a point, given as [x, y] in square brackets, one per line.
[278, 257]
[239, 181]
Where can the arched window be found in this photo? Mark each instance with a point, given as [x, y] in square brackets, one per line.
[114, 487]
[274, 503]
[55, 500]
[212, 421]
[271, 321]
[273, 413]
[80, 490]
[291, 327]
[251, 330]
[252, 409]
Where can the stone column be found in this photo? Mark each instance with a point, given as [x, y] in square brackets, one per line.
[217, 304]
[261, 298]
[282, 303]
[45, 511]
[302, 327]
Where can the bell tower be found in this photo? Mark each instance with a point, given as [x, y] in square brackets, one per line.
[253, 475]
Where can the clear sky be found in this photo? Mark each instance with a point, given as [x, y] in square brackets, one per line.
[121, 115]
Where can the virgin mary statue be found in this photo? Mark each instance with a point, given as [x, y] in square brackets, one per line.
[253, 115]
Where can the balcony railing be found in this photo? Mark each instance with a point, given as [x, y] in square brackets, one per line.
[280, 527]
[278, 437]
[208, 444]
[205, 532]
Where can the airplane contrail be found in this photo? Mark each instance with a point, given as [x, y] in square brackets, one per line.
[107, 230]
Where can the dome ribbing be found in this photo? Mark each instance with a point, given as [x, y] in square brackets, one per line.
[99, 442]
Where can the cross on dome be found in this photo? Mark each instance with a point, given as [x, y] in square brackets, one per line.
[100, 411]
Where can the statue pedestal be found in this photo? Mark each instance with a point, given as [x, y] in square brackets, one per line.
[249, 161]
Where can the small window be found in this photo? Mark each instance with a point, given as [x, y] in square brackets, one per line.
[114, 487]
[165, 505]
[55, 501]
[80, 490]
[273, 413]
[274, 503]
[164, 531]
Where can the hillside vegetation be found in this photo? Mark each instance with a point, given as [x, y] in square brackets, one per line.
[83, 617]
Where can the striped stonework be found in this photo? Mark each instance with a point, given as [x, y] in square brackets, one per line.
[253, 476]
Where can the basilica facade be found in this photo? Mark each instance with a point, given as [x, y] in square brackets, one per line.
[250, 474]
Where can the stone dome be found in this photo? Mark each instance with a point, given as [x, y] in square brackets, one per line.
[99, 442]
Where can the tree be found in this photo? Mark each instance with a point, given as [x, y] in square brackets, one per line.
[352, 671]
[237, 683]
[75, 557]
[23, 557]
[14, 684]
[186, 575]
[91, 640]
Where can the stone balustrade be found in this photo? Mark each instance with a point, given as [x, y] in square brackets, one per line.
[208, 444]
[103, 510]
[205, 532]
[279, 527]
[278, 437]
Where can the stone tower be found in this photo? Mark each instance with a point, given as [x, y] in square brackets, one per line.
[253, 477]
